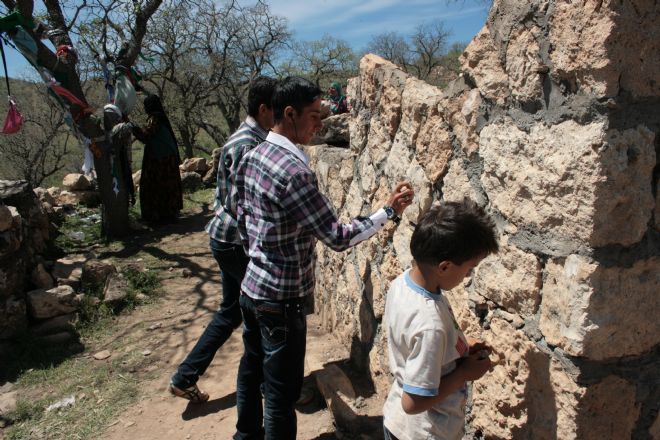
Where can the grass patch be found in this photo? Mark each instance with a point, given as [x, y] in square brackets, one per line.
[101, 390]
[142, 281]
[195, 200]
[79, 230]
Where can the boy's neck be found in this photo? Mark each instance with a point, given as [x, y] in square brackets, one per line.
[424, 276]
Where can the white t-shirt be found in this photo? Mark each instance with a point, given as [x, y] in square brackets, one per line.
[424, 342]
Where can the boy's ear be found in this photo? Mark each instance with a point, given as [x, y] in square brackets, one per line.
[444, 265]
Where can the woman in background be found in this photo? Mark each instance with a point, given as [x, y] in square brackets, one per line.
[161, 196]
[337, 100]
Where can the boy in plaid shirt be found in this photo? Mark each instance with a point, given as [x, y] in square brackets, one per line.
[281, 214]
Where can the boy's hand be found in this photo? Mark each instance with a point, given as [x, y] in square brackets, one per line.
[474, 366]
[401, 197]
[476, 346]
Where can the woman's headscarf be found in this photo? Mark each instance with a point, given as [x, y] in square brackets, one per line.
[340, 95]
[154, 108]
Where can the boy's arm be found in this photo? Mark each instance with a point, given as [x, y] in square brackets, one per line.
[312, 209]
[469, 368]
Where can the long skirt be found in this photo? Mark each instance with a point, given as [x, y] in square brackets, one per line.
[161, 197]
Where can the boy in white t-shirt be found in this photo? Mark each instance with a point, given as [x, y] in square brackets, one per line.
[430, 358]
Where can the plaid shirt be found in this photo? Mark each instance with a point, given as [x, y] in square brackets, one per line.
[222, 226]
[281, 214]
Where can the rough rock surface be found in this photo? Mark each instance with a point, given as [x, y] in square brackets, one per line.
[76, 182]
[116, 289]
[558, 142]
[190, 181]
[334, 131]
[95, 272]
[195, 165]
[21, 243]
[580, 314]
[52, 302]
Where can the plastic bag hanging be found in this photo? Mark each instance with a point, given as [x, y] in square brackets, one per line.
[13, 120]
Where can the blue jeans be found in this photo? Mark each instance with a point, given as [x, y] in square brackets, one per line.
[233, 263]
[274, 336]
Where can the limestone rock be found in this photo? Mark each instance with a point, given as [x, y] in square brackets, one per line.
[54, 191]
[335, 131]
[481, 61]
[529, 395]
[191, 181]
[116, 289]
[101, 355]
[334, 170]
[44, 196]
[195, 165]
[608, 409]
[69, 267]
[501, 398]
[76, 182]
[523, 63]
[338, 391]
[41, 278]
[6, 218]
[462, 112]
[546, 179]
[456, 184]
[52, 302]
[83, 197]
[13, 317]
[95, 272]
[59, 338]
[601, 50]
[210, 178]
[601, 312]
[433, 146]
[511, 279]
[55, 325]
[10, 242]
[8, 401]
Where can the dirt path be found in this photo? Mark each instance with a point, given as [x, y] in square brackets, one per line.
[171, 328]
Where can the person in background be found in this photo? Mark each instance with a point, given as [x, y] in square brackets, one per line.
[430, 358]
[336, 99]
[225, 243]
[281, 214]
[161, 196]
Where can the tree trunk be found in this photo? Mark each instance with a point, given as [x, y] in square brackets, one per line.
[187, 140]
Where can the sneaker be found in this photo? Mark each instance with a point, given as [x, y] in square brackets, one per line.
[192, 393]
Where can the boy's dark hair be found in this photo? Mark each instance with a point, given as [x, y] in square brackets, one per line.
[260, 92]
[453, 231]
[293, 91]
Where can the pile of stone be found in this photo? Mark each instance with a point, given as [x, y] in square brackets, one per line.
[193, 173]
[35, 292]
[24, 232]
[76, 189]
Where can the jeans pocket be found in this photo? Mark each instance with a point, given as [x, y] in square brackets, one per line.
[272, 323]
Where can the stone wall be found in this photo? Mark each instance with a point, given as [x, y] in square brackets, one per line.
[24, 230]
[553, 127]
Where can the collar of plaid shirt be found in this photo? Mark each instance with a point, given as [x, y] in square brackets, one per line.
[284, 142]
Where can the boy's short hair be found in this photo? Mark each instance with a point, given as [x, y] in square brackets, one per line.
[260, 92]
[453, 231]
[296, 92]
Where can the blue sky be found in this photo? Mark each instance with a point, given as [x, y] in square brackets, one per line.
[355, 21]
